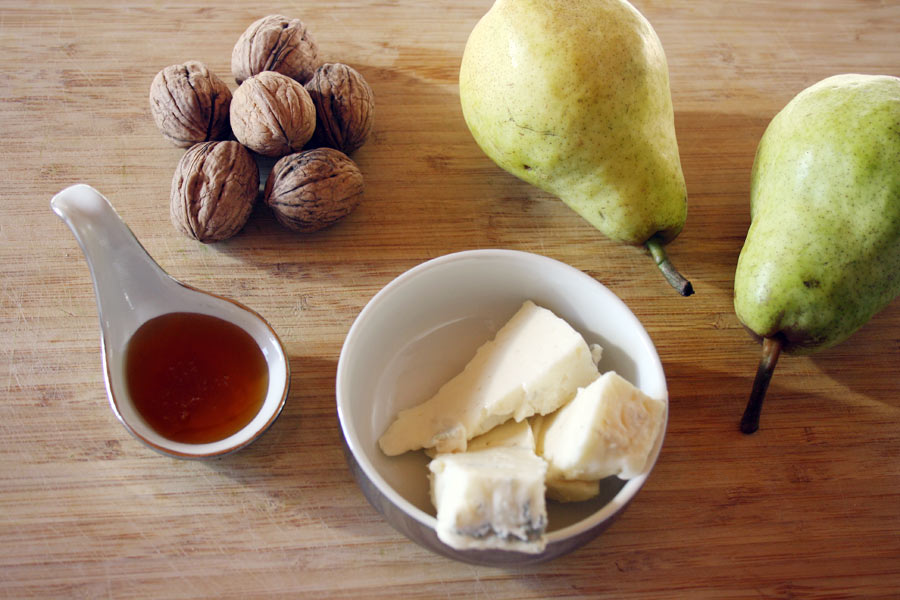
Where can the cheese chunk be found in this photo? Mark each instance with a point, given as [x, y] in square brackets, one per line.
[534, 365]
[609, 428]
[559, 489]
[572, 490]
[511, 433]
[490, 498]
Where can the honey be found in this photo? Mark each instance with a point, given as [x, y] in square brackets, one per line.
[195, 378]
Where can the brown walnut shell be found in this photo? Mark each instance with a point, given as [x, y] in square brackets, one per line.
[213, 190]
[345, 107]
[275, 43]
[314, 189]
[189, 104]
[272, 114]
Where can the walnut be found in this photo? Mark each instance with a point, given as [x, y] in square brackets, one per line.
[313, 189]
[275, 43]
[272, 114]
[213, 190]
[345, 107]
[189, 104]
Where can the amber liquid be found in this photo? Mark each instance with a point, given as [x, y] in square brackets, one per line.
[195, 378]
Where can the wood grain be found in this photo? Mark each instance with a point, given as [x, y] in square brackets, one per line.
[807, 508]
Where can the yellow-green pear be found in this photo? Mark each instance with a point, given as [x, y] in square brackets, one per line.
[573, 97]
[822, 254]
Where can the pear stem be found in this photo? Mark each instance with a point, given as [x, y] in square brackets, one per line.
[675, 279]
[771, 350]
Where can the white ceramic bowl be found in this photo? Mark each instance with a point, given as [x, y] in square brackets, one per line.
[423, 327]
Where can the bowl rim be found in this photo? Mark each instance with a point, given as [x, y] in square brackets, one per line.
[598, 518]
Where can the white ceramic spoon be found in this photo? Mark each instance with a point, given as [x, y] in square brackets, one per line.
[132, 289]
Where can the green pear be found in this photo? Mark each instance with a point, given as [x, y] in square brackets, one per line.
[573, 97]
[822, 254]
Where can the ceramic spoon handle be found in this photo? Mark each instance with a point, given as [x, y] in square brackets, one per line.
[122, 271]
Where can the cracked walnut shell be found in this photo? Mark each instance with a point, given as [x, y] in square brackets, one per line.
[189, 104]
[275, 43]
[345, 107]
[213, 190]
[314, 189]
[272, 114]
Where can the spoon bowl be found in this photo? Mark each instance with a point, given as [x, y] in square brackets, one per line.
[131, 289]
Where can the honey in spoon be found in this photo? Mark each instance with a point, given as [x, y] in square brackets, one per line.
[195, 378]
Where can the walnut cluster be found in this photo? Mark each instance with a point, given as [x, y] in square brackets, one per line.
[288, 105]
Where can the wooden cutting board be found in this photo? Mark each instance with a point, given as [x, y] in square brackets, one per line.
[809, 507]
